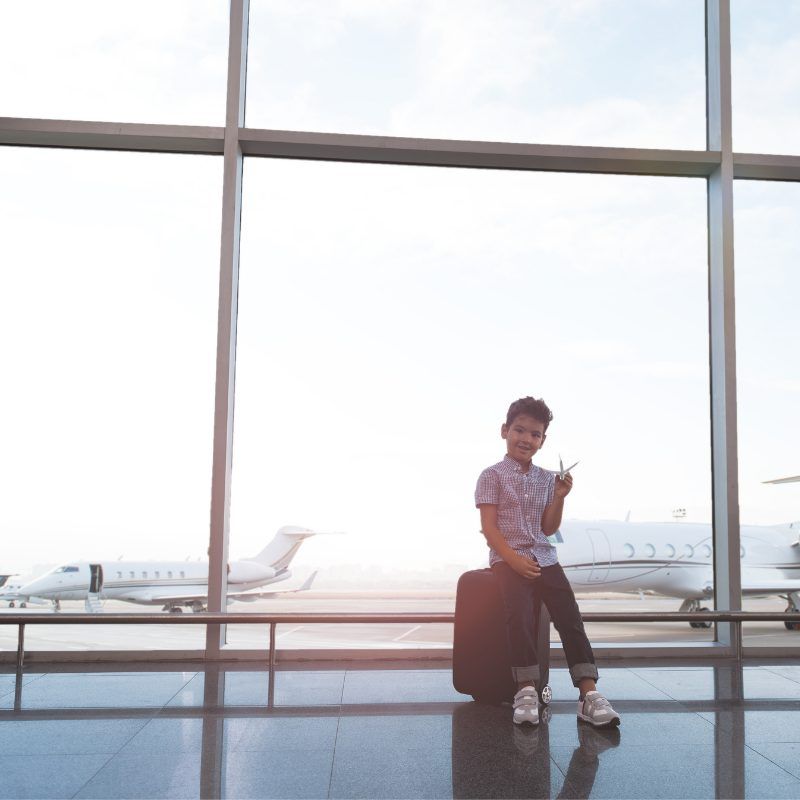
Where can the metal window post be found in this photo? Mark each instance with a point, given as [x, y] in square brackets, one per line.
[226, 330]
[722, 332]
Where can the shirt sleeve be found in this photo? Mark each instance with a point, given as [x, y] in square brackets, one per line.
[488, 488]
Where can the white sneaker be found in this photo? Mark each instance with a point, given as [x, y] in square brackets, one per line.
[526, 706]
[597, 711]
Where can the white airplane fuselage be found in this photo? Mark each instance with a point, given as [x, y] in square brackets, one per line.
[674, 558]
[146, 582]
[170, 584]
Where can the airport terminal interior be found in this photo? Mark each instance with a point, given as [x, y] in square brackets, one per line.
[361, 229]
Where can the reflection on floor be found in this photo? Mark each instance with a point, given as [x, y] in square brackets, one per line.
[691, 731]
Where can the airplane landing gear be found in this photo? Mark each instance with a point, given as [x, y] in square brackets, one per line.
[175, 609]
[792, 608]
[197, 607]
[693, 605]
[56, 605]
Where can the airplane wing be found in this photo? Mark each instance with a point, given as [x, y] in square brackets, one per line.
[766, 587]
[249, 597]
[793, 479]
[164, 595]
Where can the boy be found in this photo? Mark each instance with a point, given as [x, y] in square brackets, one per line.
[521, 505]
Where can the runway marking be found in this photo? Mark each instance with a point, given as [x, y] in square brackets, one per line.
[407, 633]
[291, 630]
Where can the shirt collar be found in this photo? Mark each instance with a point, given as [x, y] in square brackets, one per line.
[512, 465]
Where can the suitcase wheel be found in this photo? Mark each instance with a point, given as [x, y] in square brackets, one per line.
[546, 695]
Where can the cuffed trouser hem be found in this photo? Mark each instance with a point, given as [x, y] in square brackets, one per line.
[579, 671]
[524, 674]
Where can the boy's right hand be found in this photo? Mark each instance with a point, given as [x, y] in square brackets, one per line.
[526, 567]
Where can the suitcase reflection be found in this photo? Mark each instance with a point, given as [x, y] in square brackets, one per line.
[493, 757]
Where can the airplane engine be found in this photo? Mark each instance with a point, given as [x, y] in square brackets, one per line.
[249, 572]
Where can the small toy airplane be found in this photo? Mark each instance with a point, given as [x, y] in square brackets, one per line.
[562, 473]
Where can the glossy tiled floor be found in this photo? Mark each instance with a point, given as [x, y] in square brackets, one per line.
[692, 732]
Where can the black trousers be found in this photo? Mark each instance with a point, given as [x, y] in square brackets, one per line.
[556, 593]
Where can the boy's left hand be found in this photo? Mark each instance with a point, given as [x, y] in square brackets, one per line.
[563, 487]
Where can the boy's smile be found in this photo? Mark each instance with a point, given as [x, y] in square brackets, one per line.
[524, 436]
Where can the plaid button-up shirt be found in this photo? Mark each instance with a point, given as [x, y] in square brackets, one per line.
[521, 498]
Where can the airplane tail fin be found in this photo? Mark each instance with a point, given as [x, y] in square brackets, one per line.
[309, 580]
[283, 548]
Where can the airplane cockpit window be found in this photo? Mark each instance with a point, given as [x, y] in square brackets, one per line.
[65, 569]
[670, 550]
[649, 550]
[629, 551]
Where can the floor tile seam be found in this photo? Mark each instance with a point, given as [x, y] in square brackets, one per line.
[780, 675]
[344, 685]
[657, 688]
[164, 705]
[688, 710]
[765, 756]
[93, 776]
[144, 724]
[361, 747]
[31, 679]
[333, 752]
[553, 761]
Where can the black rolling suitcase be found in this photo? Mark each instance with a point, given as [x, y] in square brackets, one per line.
[481, 663]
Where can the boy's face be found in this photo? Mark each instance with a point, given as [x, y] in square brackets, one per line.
[524, 436]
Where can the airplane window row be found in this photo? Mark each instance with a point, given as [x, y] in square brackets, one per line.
[156, 574]
[669, 550]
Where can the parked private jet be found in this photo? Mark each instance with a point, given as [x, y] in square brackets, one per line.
[676, 559]
[170, 584]
[9, 591]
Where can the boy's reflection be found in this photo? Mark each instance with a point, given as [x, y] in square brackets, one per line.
[494, 759]
[583, 765]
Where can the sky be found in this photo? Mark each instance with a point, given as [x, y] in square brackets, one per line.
[388, 315]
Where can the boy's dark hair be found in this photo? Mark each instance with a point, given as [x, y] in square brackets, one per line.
[533, 408]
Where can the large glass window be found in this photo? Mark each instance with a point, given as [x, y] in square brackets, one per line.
[389, 315]
[597, 73]
[108, 317]
[152, 61]
[767, 343]
[765, 50]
